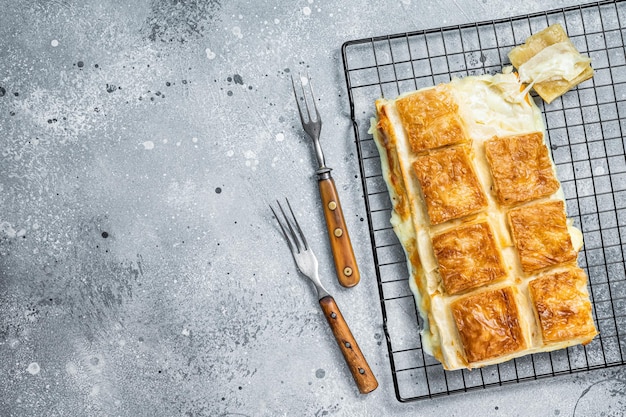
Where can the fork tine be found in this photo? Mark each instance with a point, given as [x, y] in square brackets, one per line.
[306, 102]
[306, 245]
[282, 228]
[292, 233]
[295, 93]
[304, 98]
[317, 113]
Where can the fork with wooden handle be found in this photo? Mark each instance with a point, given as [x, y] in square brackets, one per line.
[341, 246]
[307, 265]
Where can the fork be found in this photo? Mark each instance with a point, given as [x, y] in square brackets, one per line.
[343, 254]
[307, 264]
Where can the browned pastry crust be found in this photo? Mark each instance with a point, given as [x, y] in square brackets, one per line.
[468, 257]
[521, 168]
[562, 306]
[449, 184]
[488, 324]
[540, 235]
[389, 142]
[430, 119]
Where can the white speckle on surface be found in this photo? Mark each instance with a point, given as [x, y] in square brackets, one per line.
[406, 2]
[209, 54]
[164, 140]
[95, 363]
[71, 368]
[95, 390]
[599, 170]
[304, 80]
[33, 368]
[178, 143]
[35, 226]
[230, 152]
[251, 160]
[194, 140]
[185, 332]
[54, 43]
[31, 315]
[237, 32]
[280, 137]
[7, 229]
[306, 11]
[276, 21]
[148, 145]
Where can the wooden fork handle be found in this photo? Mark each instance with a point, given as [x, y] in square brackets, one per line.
[361, 372]
[343, 254]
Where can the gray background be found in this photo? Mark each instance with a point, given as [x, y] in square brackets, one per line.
[141, 273]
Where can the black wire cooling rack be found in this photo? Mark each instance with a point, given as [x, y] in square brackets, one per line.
[586, 129]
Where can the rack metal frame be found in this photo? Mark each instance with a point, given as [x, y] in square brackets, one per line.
[586, 131]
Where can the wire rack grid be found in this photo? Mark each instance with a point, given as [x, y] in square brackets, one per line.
[586, 129]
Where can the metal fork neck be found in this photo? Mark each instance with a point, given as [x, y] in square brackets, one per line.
[323, 173]
[318, 151]
[321, 291]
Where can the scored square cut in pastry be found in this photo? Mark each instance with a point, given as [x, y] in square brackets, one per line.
[521, 168]
[468, 257]
[550, 62]
[541, 236]
[561, 302]
[430, 119]
[449, 184]
[488, 324]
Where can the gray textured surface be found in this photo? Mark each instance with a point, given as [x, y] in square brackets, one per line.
[140, 271]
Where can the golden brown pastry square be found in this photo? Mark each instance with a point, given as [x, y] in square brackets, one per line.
[488, 324]
[562, 306]
[430, 119]
[468, 257]
[540, 235]
[521, 168]
[449, 184]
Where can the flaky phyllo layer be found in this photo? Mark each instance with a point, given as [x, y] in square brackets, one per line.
[481, 216]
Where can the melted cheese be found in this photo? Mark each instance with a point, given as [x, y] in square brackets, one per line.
[559, 61]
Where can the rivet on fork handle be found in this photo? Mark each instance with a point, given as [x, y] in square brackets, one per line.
[360, 369]
[343, 254]
[307, 264]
